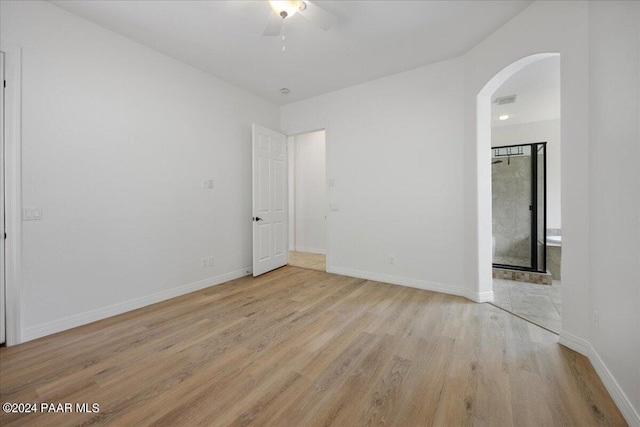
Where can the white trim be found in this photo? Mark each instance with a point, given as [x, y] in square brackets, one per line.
[617, 394]
[291, 185]
[574, 343]
[310, 250]
[328, 261]
[415, 283]
[3, 328]
[119, 308]
[13, 187]
[486, 296]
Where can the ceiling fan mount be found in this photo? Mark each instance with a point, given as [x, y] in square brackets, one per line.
[287, 8]
[284, 9]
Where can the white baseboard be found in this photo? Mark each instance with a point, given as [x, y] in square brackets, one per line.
[414, 283]
[574, 343]
[617, 394]
[486, 296]
[310, 250]
[59, 325]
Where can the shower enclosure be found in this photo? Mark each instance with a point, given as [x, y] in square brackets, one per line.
[519, 197]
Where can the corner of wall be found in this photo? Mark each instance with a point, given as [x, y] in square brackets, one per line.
[585, 348]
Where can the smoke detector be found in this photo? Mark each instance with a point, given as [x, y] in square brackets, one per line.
[503, 100]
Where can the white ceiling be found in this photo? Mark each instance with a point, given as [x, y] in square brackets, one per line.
[371, 38]
[537, 87]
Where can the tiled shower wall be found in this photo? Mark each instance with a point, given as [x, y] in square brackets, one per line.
[511, 197]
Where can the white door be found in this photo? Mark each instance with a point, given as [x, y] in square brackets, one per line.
[3, 310]
[270, 200]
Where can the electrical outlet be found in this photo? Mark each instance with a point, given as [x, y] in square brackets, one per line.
[207, 262]
[207, 183]
[392, 259]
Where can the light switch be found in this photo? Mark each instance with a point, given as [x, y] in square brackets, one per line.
[32, 214]
[331, 183]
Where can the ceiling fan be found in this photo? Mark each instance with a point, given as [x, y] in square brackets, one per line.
[285, 9]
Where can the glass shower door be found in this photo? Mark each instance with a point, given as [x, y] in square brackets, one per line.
[512, 205]
[519, 192]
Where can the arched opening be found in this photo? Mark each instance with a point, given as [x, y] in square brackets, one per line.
[485, 166]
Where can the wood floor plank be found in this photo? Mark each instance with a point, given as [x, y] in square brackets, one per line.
[299, 347]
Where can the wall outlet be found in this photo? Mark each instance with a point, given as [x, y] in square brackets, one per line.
[207, 262]
[207, 183]
[392, 259]
[595, 318]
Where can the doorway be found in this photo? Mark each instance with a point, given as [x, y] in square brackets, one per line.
[525, 190]
[3, 306]
[307, 200]
[11, 174]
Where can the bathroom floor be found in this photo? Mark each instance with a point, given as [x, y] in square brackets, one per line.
[541, 304]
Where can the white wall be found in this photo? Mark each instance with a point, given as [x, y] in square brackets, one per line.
[406, 160]
[117, 139]
[546, 130]
[614, 133]
[310, 187]
[395, 158]
[559, 27]
[597, 55]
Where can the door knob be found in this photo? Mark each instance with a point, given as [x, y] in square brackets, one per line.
[256, 219]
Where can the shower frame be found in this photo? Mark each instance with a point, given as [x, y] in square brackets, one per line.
[533, 207]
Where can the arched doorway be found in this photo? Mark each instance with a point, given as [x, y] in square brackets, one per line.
[520, 130]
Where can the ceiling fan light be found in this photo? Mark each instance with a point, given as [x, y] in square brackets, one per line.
[285, 8]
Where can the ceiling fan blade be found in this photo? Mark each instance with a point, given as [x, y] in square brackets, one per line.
[317, 15]
[274, 25]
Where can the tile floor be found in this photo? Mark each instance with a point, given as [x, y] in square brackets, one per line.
[308, 260]
[541, 304]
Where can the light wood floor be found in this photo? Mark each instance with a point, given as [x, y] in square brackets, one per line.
[308, 260]
[298, 347]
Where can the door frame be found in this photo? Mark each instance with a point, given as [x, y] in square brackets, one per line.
[534, 262]
[13, 190]
[327, 188]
